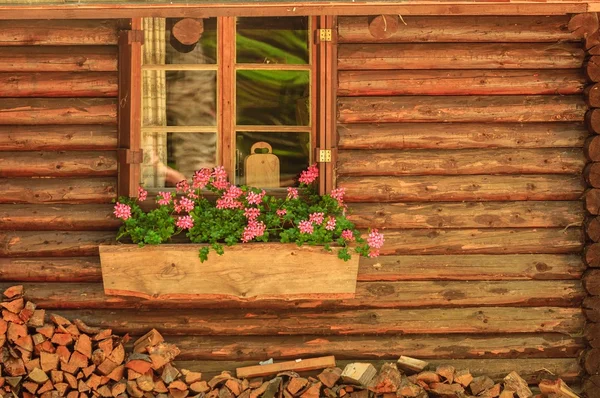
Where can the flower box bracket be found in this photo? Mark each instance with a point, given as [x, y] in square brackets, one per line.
[243, 272]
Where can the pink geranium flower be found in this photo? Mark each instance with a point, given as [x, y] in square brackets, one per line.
[347, 235]
[184, 205]
[281, 212]
[309, 175]
[164, 198]
[185, 222]
[251, 213]
[142, 194]
[254, 229]
[330, 226]
[292, 193]
[305, 227]
[255, 198]
[201, 178]
[338, 194]
[375, 239]
[316, 218]
[122, 211]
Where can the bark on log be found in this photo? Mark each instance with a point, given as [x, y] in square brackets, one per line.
[467, 215]
[591, 386]
[592, 69]
[592, 120]
[70, 32]
[467, 188]
[592, 201]
[433, 28]
[532, 370]
[255, 348]
[460, 82]
[592, 95]
[591, 308]
[58, 111]
[58, 84]
[591, 282]
[58, 190]
[583, 24]
[461, 135]
[460, 56]
[591, 255]
[58, 164]
[592, 229]
[56, 138]
[59, 59]
[487, 109]
[465, 161]
[483, 241]
[591, 362]
[357, 322]
[592, 334]
[471, 267]
[58, 217]
[592, 40]
[48, 269]
[591, 174]
[592, 148]
[52, 243]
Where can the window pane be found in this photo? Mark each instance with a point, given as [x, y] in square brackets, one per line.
[162, 48]
[271, 40]
[188, 152]
[191, 98]
[291, 149]
[265, 97]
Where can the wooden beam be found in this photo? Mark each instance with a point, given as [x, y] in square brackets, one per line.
[58, 164]
[55, 137]
[58, 33]
[57, 190]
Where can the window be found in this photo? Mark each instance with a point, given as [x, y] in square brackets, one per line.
[247, 93]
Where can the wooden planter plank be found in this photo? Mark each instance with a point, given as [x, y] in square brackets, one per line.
[59, 32]
[481, 109]
[467, 28]
[58, 190]
[58, 111]
[462, 188]
[461, 82]
[51, 269]
[465, 161]
[461, 56]
[461, 136]
[58, 217]
[59, 59]
[58, 164]
[519, 214]
[244, 271]
[538, 345]
[471, 267]
[54, 138]
[58, 84]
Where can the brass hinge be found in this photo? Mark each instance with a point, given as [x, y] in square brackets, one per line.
[324, 155]
[325, 34]
[127, 156]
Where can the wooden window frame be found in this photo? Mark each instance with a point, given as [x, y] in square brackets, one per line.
[322, 94]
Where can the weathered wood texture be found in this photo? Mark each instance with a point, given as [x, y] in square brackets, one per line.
[58, 164]
[56, 138]
[59, 33]
[59, 59]
[58, 111]
[58, 190]
[58, 84]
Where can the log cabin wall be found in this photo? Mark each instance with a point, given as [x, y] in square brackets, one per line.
[465, 145]
[462, 137]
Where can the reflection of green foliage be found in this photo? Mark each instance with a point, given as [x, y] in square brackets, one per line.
[272, 46]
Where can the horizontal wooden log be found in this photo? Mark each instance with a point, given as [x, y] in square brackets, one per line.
[592, 201]
[460, 56]
[260, 348]
[35, 111]
[591, 282]
[50, 269]
[532, 370]
[471, 267]
[462, 188]
[483, 241]
[59, 32]
[52, 243]
[59, 59]
[465, 161]
[55, 138]
[58, 84]
[466, 28]
[488, 109]
[461, 135]
[369, 295]
[58, 217]
[58, 190]
[460, 82]
[58, 164]
[467, 215]
[356, 322]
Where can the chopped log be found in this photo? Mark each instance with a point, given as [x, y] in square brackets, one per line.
[592, 228]
[314, 391]
[388, 380]
[525, 214]
[57, 59]
[591, 361]
[49, 164]
[58, 190]
[58, 84]
[297, 366]
[480, 384]
[464, 161]
[59, 32]
[591, 282]
[446, 390]
[592, 148]
[38, 376]
[592, 120]
[557, 387]
[383, 26]
[446, 372]
[592, 95]
[14, 306]
[583, 24]
[428, 377]
[84, 345]
[466, 28]
[461, 82]
[13, 291]
[192, 377]
[463, 377]
[412, 365]
[58, 111]
[466, 188]
[188, 31]
[591, 173]
[152, 338]
[479, 109]
[516, 383]
[329, 377]
[592, 69]
[462, 135]
[359, 373]
[460, 56]
[49, 362]
[296, 384]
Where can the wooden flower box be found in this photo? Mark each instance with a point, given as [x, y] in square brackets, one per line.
[250, 271]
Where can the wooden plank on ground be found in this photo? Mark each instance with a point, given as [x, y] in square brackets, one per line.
[53, 138]
[294, 366]
[58, 217]
[71, 32]
[57, 190]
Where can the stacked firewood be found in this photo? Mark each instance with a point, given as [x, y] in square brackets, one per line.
[46, 355]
